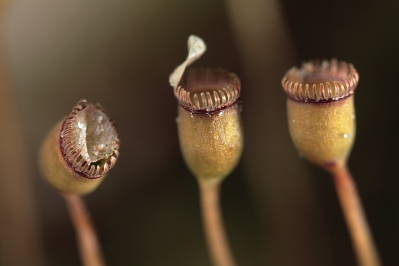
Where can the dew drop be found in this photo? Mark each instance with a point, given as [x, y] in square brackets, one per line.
[347, 135]
[81, 125]
[100, 146]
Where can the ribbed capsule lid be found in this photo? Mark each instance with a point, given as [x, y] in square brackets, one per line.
[204, 90]
[320, 81]
[89, 142]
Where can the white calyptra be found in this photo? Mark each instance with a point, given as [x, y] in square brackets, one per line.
[196, 48]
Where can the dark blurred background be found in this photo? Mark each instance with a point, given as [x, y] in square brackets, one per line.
[279, 209]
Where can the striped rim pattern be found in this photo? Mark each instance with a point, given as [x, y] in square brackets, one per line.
[74, 147]
[207, 90]
[321, 81]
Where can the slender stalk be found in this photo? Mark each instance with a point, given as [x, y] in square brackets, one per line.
[90, 250]
[355, 217]
[213, 224]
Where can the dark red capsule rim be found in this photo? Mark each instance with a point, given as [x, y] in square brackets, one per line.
[321, 82]
[207, 90]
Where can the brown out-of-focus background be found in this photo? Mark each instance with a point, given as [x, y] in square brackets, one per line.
[279, 209]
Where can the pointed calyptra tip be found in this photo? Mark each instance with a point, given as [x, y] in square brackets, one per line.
[89, 142]
[320, 82]
[205, 90]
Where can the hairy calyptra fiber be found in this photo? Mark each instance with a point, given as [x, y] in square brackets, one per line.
[320, 110]
[80, 150]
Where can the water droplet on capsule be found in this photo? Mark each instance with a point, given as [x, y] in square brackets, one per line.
[81, 125]
[347, 135]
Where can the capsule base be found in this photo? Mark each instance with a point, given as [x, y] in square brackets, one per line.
[56, 170]
[322, 132]
[211, 143]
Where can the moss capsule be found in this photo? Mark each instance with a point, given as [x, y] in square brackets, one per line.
[209, 123]
[208, 119]
[320, 108]
[80, 150]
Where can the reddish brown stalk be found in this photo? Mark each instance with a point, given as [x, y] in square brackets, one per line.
[90, 250]
[213, 224]
[355, 217]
